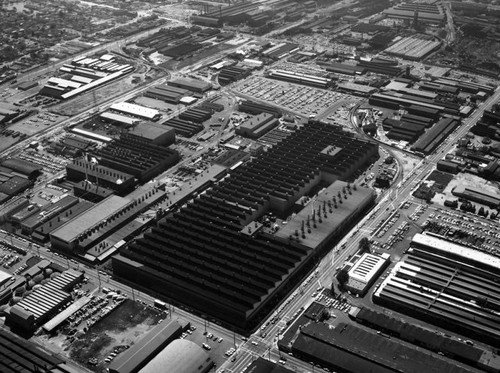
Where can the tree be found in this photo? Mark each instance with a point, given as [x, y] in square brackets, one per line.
[364, 245]
[342, 277]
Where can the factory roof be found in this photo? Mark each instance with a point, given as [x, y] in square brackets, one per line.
[90, 218]
[458, 250]
[195, 83]
[360, 350]
[149, 130]
[179, 356]
[134, 109]
[140, 352]
[22, 166]
[333, 220]
[119, 118]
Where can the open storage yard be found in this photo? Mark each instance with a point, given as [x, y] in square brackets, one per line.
[122, 327]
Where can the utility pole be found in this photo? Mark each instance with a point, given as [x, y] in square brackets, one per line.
[98, 276]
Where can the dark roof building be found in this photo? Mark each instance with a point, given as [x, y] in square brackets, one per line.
[19, 355]
[236, 276]
[352, 349]
[194, 85]
[14, 185]
[48, 212]
[137, 156]
[257, 126]
[24, 167]
[437, 342]
[106, 177]
[154, 133]
[42, 232]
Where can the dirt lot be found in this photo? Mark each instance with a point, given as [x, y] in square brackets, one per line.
[124, 326]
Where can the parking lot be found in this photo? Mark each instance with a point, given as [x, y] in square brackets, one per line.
[465, 229]
[295, 98]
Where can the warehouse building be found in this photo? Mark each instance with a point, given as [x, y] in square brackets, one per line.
[298, 78]
[154, 133]
[43, 303]
[137, 156]
[15, 185]
[424, 12]
[401, 130]
[257, 126]
[23, 214]
[106, 177]
[475, 195]
[238, 277]
[443, 283]
[19, 355]
[193, 85]
[69, 235]
[180, 355]
[231, 74]
[252, 107]
[41, 232]
[167, 93]
[47, 212]
[121, 120]
[136, 110]
[413, 48]
[150, 345]
[435, 135]
[447, 166]
[196, 115]
[427, 338]
[12, 207]
[27, 168]
[352, 349]
[184, 127]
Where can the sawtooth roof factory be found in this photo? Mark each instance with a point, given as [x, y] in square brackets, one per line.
[216, 256]
[443, 283]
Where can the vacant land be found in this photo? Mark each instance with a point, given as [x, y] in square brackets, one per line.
[124, 326]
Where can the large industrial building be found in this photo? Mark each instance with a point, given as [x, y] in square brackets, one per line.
[143, 351]
[180, 355]
[137, 155]
[446, 284]
[257, 126]
[353, 349]
[193, 85]
[203, 255]
[48, 212]
[395, 326]
[35, 309]
[106, 177]
[84, 74]
[19, 355]
[137, 111]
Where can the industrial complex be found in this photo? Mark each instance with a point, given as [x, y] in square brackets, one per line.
[249, 186]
